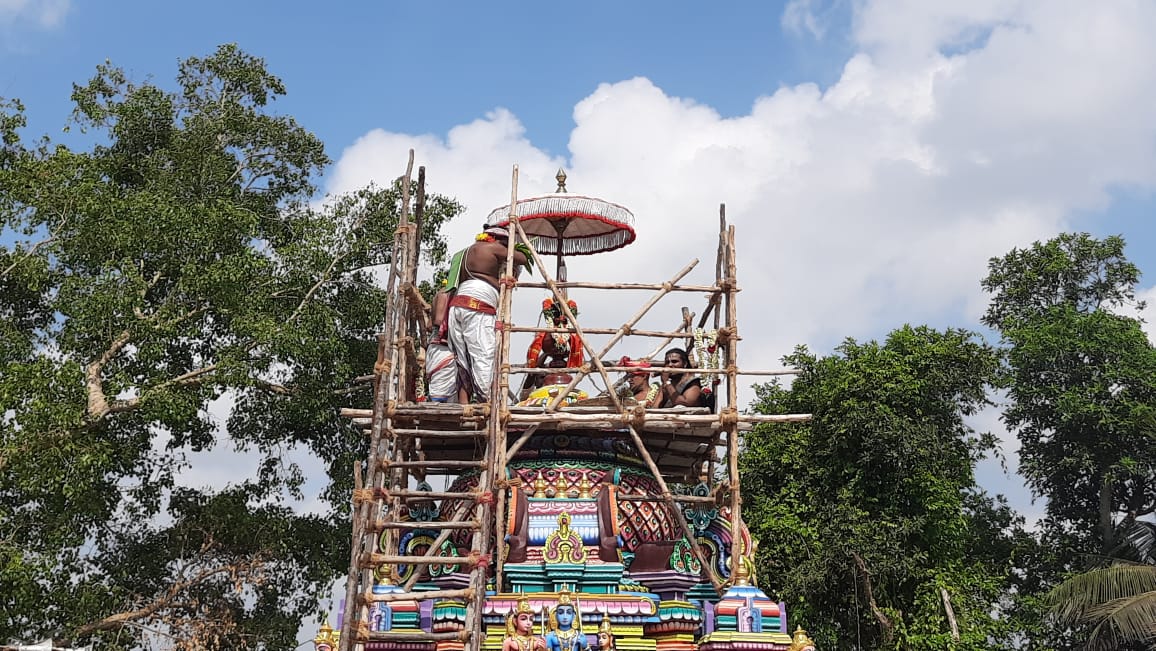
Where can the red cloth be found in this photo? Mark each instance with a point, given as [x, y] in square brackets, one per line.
[471, 303]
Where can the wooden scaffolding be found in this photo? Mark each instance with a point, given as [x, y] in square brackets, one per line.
[409, 441]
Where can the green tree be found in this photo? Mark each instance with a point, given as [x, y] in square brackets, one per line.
[173, 268]
[872, 527]
[1081, 379]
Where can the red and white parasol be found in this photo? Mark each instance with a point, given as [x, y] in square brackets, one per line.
[563, 224]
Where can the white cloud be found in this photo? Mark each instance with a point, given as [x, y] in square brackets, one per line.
[806, 16]
[956, 132]
[45, 14]
[1148, 296]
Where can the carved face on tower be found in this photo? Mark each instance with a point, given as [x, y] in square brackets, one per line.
[524, 623]
[564, 614]
[605, 635]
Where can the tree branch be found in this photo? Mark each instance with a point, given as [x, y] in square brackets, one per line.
[884, 621]
[98, 406]
[165, 600]
[27, 254]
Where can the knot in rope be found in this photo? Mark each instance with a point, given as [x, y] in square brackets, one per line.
[729, 417]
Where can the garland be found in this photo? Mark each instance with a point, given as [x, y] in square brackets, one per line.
[419, 390]
[652, 394]
[706, 352]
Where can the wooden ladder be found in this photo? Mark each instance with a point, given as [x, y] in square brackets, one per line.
[381, 498]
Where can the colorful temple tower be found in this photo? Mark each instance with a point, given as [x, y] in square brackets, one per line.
[566, 522]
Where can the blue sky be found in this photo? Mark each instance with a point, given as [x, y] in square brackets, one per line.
[424, 67]
[873, 153]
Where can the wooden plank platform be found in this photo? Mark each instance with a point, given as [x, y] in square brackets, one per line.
[679, 439]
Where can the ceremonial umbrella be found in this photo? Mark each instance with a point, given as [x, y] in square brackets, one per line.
[565, 224]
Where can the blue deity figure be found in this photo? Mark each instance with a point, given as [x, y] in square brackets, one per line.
[563, 634]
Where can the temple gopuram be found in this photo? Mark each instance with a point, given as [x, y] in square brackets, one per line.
[567, 512]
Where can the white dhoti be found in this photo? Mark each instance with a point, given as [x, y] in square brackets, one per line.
[441, 373]
[473, 339]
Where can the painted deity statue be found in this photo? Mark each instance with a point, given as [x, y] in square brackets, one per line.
[605, 635]
[520, 630]
[563, 634]
[327, 638]
[800, 641]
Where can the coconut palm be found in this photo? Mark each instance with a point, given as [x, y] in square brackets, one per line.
[1117, 602]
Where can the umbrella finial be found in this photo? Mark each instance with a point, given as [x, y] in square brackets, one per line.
[561, 178]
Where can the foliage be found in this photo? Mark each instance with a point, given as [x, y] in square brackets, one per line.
[1116, 603]
[172, 275]
[1081, 378]
[869, 514]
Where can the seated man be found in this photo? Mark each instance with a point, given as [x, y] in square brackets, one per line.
[638, 383]
[680, 389]
[552, 345]
[473, 311]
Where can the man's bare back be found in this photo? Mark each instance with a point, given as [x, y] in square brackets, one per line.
[487, 260]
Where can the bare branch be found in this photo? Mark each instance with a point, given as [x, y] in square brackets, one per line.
[884, 621]
[98, 406]
[35, 247]
[165, 600]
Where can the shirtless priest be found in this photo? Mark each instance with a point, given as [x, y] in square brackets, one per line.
[473, 311]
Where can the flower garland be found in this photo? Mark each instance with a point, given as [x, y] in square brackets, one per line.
[652, 394]
[419, 389]
[706, 352]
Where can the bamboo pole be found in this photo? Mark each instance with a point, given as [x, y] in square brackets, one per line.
[397, 476]
[385, 377]
[622, 330]
[612, 368]
[668, 499]
[415, 524]
[648, 418]
[682, 328]
[418, 220]
[581, 414]
[375, 560]
[521, 441]
[417, 496]
[720, 265]
[732, 322]
[440, 434]
[602, 331]
[498, 397]
[686, 499]
[712, 289]
[468, 464]
[426, 595]
[462, 509]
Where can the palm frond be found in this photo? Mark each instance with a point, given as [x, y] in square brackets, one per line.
[1072, 600]
[1127, 619]
[1141, 538]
